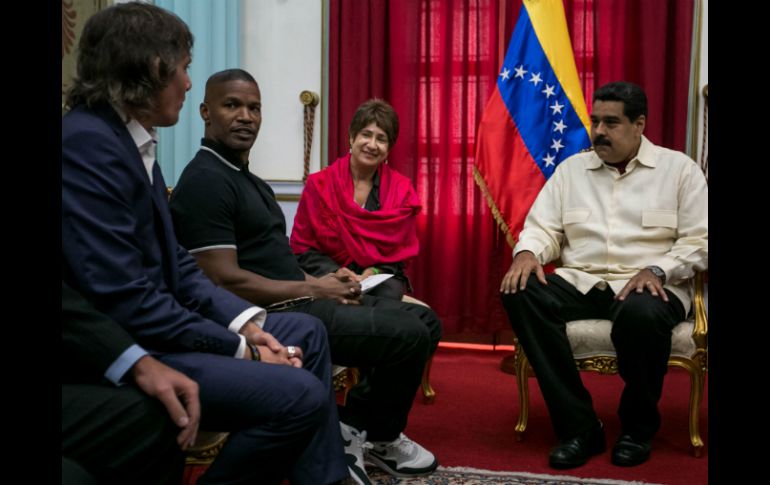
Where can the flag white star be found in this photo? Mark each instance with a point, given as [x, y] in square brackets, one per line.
[556, 107]
[548, 159]
[505, 74]
[560, 126]
[548, 91]
[520, 71]
[556, 145]
[535, 79]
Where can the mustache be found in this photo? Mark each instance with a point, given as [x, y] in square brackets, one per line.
[600, 140]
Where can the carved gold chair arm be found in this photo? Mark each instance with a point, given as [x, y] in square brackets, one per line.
[207, 446]
[700, 330]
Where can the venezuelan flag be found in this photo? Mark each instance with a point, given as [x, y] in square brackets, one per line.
[535, 118]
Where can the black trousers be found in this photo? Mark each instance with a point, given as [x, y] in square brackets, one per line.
[119, 434]
[389, 341]
[74, 474]
[641, 334]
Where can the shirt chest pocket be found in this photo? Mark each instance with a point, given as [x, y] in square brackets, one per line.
[576, 227]
[659, 227]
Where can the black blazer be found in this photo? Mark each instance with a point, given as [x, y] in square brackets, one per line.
[91, 341]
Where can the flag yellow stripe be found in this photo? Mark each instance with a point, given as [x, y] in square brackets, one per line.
[550, 26]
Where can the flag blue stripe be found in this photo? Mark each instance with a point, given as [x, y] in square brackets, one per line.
[530, 108]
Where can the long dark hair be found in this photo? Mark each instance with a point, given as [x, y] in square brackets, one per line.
[127, 54]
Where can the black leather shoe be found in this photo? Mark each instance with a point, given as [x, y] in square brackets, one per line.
[629, 451]
[576, 451]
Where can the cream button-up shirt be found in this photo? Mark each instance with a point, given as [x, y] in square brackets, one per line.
[606, 227]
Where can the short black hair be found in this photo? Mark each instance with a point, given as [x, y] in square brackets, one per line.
[127, 54]
[229, 75]
[376, 111]
[633, 97]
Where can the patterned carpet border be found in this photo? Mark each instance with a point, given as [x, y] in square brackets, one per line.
[474, 476]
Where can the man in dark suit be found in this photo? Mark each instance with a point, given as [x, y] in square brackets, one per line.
[120, 252]
[116, 432]
[229, 220]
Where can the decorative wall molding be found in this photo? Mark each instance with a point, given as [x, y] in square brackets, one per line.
[282, 49]
[287, 191]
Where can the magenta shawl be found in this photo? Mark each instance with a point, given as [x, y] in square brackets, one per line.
[330, 221]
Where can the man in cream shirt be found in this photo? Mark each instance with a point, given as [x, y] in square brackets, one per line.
[629, 222]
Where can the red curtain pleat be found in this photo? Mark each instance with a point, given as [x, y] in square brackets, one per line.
[437, 62]
[648, 42]
[358, 63]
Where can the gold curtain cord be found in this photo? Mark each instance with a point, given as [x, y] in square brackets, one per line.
[310, 100]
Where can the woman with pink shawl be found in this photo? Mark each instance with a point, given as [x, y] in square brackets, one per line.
[357, 216]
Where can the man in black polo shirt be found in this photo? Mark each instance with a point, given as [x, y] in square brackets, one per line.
[229, 220]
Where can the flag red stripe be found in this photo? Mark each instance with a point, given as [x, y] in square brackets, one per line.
[514, 183]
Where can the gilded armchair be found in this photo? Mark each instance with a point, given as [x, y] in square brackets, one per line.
[593, 350]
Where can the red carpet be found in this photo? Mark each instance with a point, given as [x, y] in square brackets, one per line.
[471, 423]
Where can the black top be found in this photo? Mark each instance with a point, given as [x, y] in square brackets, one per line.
[218, 203]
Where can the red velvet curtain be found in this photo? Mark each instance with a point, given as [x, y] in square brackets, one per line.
[437, 62]
[649, 42]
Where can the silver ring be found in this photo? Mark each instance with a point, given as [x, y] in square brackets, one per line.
[292, 350]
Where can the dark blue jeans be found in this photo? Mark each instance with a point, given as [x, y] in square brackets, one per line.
[283, 421]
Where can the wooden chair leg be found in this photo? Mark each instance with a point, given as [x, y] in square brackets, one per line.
[428, 394]
[344, 378]
[697, 379]
[696, 396]
[521, 364]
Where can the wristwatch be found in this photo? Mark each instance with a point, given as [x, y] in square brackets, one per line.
[254, 351]
[659, 273]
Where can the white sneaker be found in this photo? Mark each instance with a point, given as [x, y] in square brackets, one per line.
[355, 443]
[402, 457]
